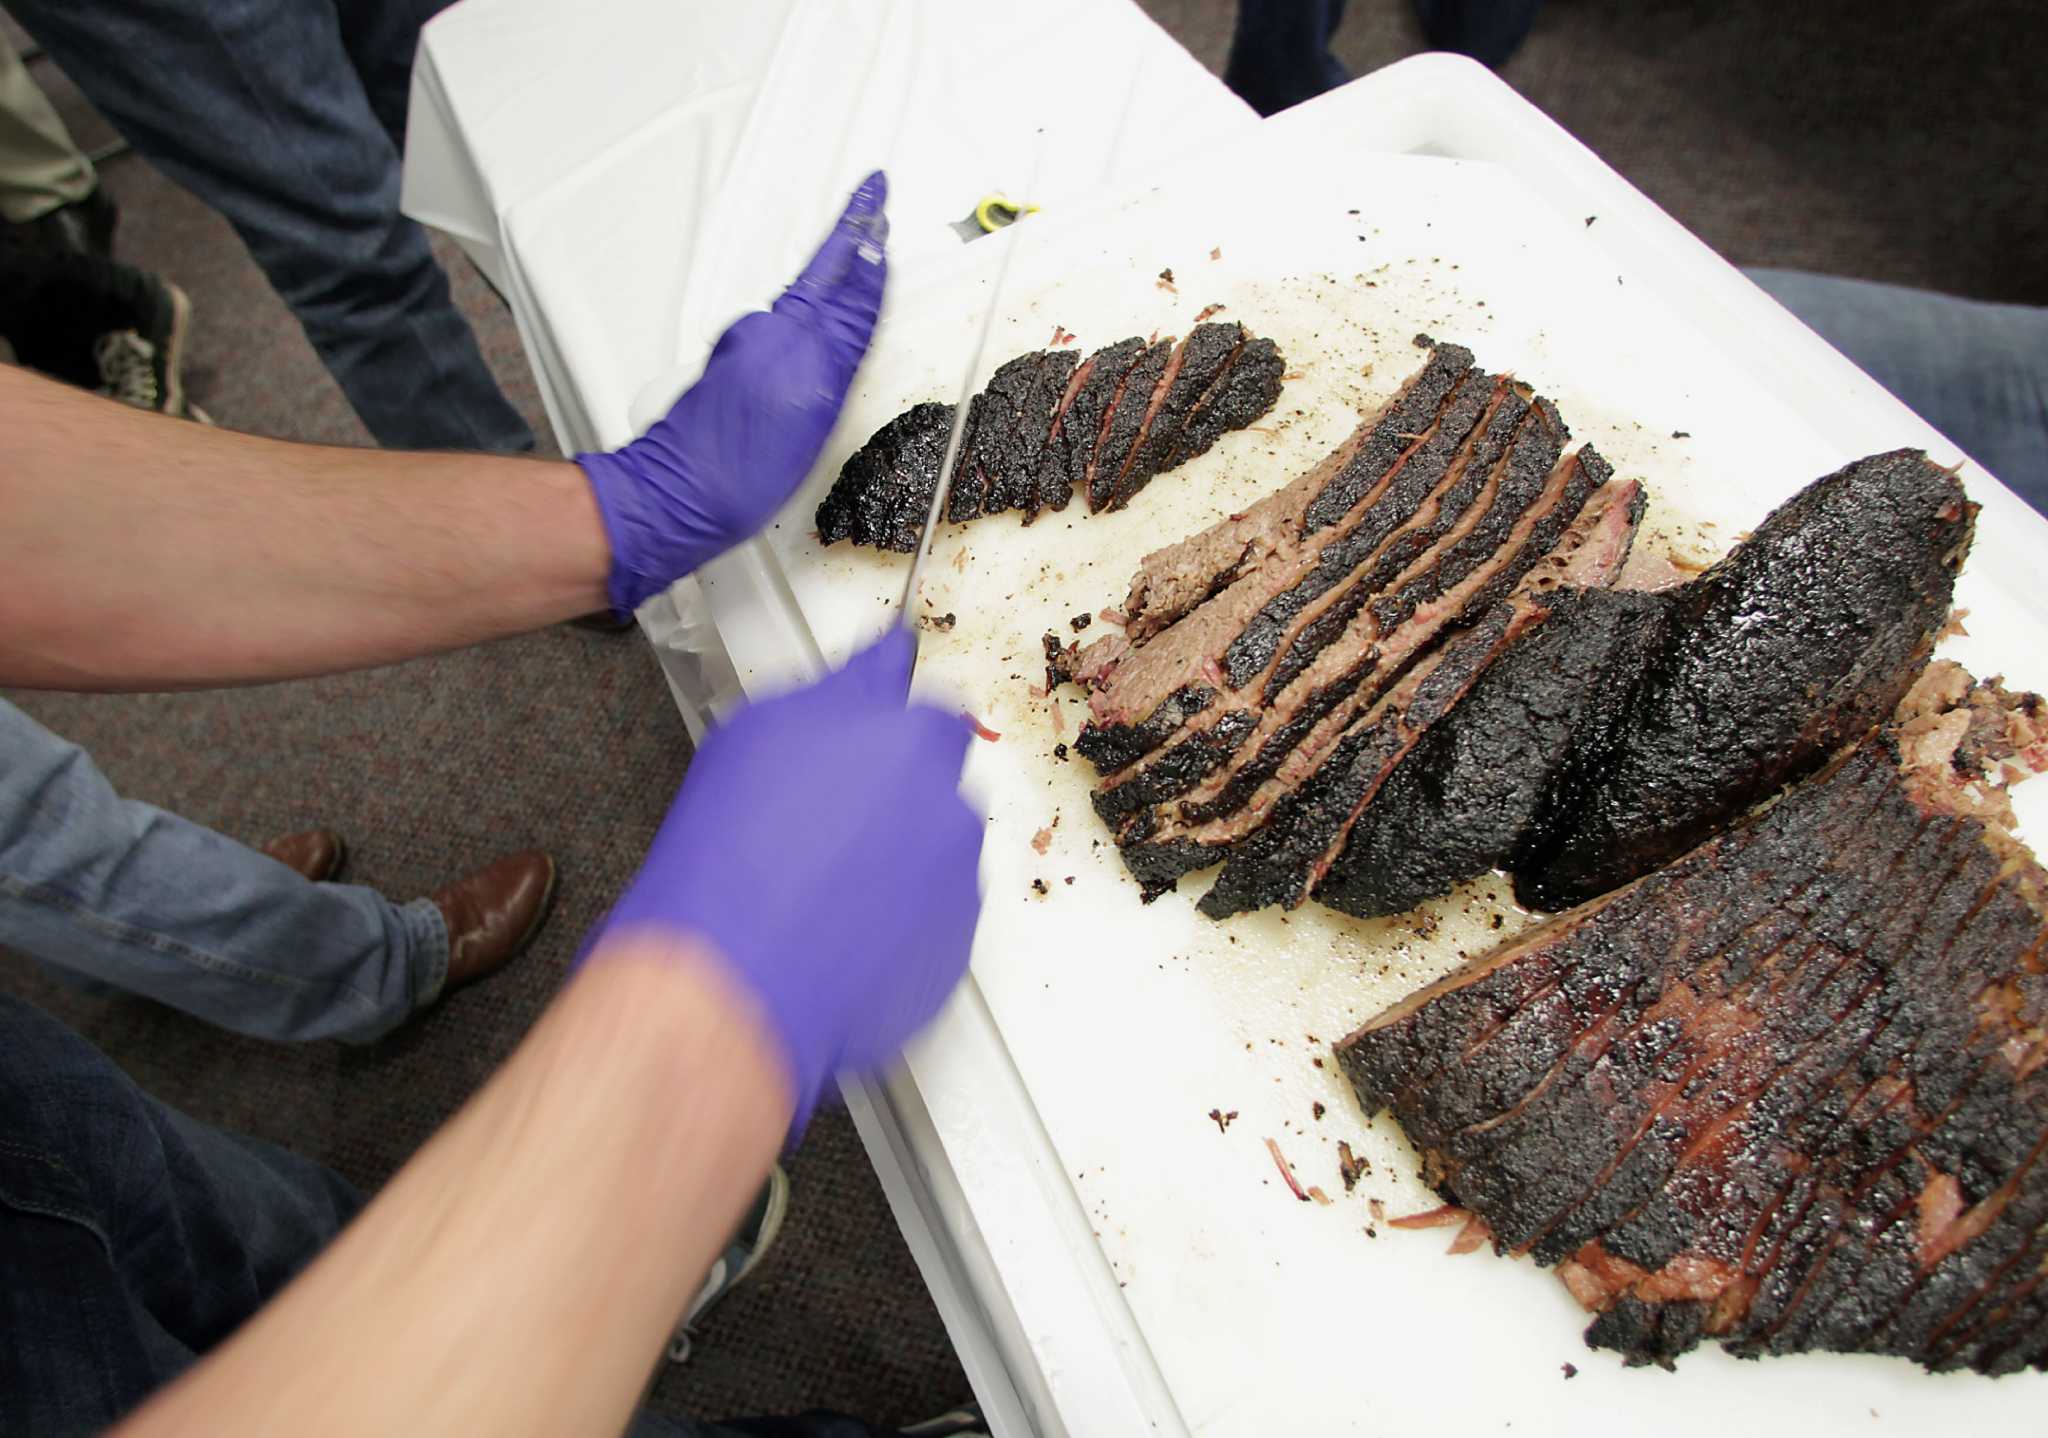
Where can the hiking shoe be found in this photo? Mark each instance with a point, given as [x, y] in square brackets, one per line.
[742, 1256]
[963, 1422]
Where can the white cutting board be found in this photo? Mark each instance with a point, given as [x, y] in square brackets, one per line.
[1128, 1023]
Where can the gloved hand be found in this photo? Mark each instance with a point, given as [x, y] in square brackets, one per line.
[821, 846]
[737, 443]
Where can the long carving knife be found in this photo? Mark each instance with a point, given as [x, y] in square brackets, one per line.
[957, 435]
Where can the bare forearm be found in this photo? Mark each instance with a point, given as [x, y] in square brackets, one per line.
[522, 1272]
[143, 552]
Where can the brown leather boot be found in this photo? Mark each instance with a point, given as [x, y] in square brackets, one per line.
[494, 913]
[316, 853]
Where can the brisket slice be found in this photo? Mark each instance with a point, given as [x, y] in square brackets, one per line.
[1033, 430]
[1474, 789]
[1281, 861]
[1788, 1092]
[1080, 423]
[1115, 747]
[1123, 425]
[1055, 485]
[1196, 364]
[1802, 638]
[1172, 581]
[1222, 820]
[1239, 397]
[1032, 436]
[986, 479]
[1194, 649]
[883, 494]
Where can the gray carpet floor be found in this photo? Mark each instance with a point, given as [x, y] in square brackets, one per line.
[1884, 139]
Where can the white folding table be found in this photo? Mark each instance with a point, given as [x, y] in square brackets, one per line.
[635, 173]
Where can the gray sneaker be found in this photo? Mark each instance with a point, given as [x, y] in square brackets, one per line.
[742, 1256]
[145, 366]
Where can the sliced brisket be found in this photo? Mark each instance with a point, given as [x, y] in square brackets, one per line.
[1173, 580]
[1787, 1092]
[1169, 774]
[1474, 789]
[1049, 422]
[1435, 598]
[1428, 567]
[1279, 862]
[1226, 635]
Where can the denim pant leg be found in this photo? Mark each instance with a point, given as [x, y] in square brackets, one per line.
[1977, 372]
[132, 1238]
[112, 890]
[258, 108]
[1280, 52]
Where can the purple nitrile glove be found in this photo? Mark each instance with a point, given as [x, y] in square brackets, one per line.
[739, 441]
[821, 846]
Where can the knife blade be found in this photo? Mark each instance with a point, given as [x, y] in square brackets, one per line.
[957, 435]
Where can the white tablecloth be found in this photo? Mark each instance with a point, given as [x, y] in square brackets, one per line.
[634, 173]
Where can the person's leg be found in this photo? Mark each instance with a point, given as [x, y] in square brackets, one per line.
[41, 167]
[1977, 372]
[109, 889]
[132, 1238]
[1280, 52]
[382, 37]
[254, 106]
[1490, 31]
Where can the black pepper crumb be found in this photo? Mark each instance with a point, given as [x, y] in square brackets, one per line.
[1424, 342]
[1590, 219]
[1059, 752]
[1080, 622]
[1570, 1371]
[1038, 887]
[1497, 920]
[1316, 1108]
[1681, 434]
[1070, 878]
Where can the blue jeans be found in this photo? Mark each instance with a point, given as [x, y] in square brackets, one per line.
[133, 1239]
[288, 116]
[1280, 52]
[109, 891]
[1978, 372]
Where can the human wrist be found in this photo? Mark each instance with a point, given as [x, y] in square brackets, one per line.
[665, 966]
